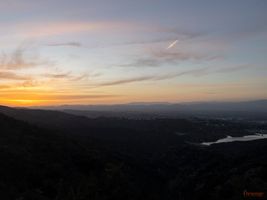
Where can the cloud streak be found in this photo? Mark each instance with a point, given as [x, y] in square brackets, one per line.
[176, 35]
[59, 28]
[18, 60]
[129, 80]
[58, 75]
[4, 75]
[55, 97]
[67, 76]
[67, 44]
[194, 72]
[159, 58]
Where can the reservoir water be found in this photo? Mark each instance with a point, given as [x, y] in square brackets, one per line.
[241, 139]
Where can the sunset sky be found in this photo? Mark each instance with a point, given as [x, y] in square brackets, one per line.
[57, 52]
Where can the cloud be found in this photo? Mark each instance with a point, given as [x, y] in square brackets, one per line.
[172, 34]
[58, 75]
[178, 55]
[70, 44]
[75, 97]
[19, 60]
[142, 62]
[194, 72]
[15, 60]
[33, 97]
[232, 68]
[81, 77]
[4, 87]
[4, 75]
[185, 51]
[53, 97]
[177, 36]
[130, 80]
[58, 28]
[28, 83]
[161, 57]
[20, 83]
[67, 76]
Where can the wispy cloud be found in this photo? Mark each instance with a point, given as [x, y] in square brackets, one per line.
[129, 80]
[68, 44]
[82, 76]
[194, 72]
[57, 28]
[158, 58]
[175, 35]
[178, 55]
[18, 83]
[19, 60]
[28, 83]
[39, 97]
[73, 97]
[4, 75]
[69, 76]
[142, 62]
[233, 68]
[15, 60]
[58, 75]
[4, 87]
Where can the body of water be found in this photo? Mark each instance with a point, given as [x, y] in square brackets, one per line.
[241, 139]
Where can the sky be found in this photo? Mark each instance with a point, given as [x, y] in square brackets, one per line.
[58, 52]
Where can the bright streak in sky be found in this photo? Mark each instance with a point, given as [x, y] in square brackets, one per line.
[172, 44]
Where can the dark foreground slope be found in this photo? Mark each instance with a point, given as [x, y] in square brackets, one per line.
[41, 164]
[156, 159]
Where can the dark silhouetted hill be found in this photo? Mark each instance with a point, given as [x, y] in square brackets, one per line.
[51, 155]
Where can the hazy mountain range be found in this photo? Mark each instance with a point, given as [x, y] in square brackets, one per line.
[257, 106]
[247, 109]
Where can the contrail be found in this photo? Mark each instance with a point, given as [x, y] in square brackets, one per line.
[172, 44]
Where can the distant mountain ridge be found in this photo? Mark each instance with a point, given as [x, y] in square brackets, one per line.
[255, 106]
